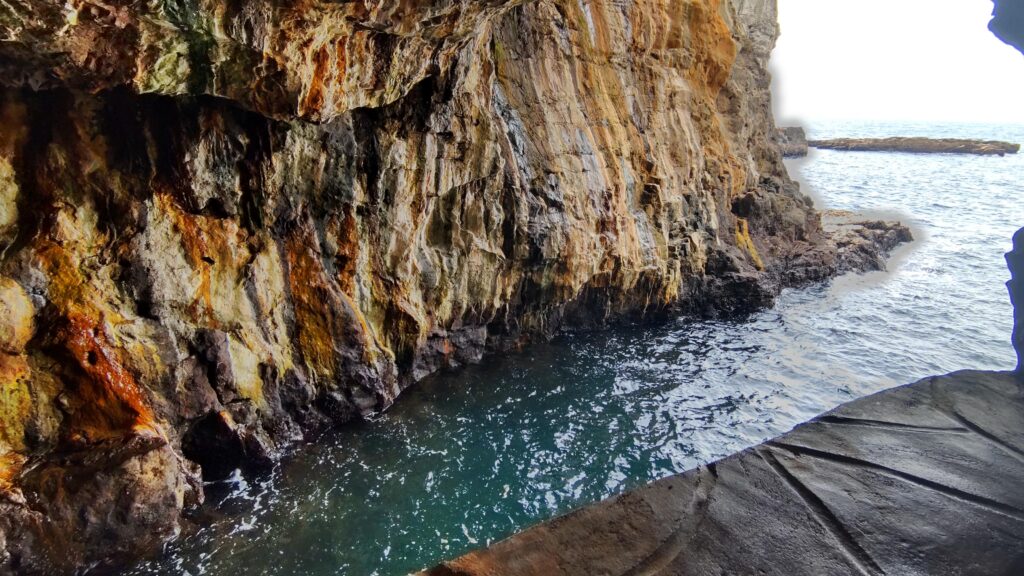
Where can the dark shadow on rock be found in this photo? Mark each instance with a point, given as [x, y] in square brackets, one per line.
[1008, 22]
[1015, 261]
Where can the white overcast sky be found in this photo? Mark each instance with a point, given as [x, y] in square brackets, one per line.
[894, 60]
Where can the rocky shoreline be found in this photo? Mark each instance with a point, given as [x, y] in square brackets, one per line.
[919, 145]
[850, 245]
[919, 479]
[863, 245]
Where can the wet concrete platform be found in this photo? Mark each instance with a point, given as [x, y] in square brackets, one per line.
[924, 479]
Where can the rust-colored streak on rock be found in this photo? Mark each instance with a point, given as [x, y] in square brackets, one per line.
[744, 241]
[108, 401]
[714, 53]
[312, 298]
[214, 248]
[194, 241]
[347, 254]
[314, 99]
[11, 465]
[713, 46]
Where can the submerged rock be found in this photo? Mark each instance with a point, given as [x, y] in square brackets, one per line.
[236, 223]
[792, 141]
[919, 145]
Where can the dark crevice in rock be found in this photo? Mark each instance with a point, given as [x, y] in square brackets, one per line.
[844, 421]
[1000, 443]
[824, 516]
[950, 491]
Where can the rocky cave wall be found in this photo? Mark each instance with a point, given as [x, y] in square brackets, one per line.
[225, 224]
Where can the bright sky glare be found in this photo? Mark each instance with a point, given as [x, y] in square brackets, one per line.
[920, 60]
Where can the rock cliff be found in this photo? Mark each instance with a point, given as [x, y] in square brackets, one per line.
[226, 224]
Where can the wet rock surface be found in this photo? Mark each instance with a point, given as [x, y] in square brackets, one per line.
[863, 245]
[920, 479]
[919, 145]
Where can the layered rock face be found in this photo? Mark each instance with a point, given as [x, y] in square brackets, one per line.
[224, 225]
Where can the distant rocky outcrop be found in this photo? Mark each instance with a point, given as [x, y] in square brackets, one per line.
[919, 145]
[792, 141]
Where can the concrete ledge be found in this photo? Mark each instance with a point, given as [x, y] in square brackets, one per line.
[922, 479]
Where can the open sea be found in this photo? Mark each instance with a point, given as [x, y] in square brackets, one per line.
[468, 457]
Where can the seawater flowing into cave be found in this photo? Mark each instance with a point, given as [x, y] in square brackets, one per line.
[468, 457]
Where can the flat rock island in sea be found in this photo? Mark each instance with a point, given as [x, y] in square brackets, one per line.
[919, 145]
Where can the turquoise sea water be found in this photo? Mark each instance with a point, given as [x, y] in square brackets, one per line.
[468, 457]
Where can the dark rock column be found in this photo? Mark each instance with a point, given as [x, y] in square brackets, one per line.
[1015, 260]
[1008, 22]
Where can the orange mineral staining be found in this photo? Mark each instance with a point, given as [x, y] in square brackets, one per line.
[107, 400]
[312, 297]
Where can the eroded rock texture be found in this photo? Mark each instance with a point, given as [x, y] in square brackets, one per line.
[226, 224]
